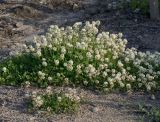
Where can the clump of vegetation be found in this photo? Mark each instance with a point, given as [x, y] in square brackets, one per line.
[152, 113]
[141, 5]
[55, 102]
[81, 55]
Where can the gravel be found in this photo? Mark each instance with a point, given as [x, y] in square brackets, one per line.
[97, 108]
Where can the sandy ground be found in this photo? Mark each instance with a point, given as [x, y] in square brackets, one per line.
[113, 107]
[20, 22]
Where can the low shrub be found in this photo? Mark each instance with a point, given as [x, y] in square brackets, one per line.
[142, 5]
[55, 102]
[81, 55]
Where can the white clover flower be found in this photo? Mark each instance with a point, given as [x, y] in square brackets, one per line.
[125, 41]
[79, 71]
[120, 35]
[65, 64]
[85, 82]
[4, 69]
[122, 85]
[56, 62]
[128, 68]
[78, 45]
[62, 56]
[49, 90]
[113, 71]
[158, 73]
[59, 99]
[89, 55]
[106, 89]
[128, 86]
[66, 80]
[105, 74]
[39, 102]
[58, 74]
[27, 83]
[107, 59]
[69, 37]
[126, 59]
[50, 46]
[54, 48]
[38, 45]
[148, 87]
[63, 50]
[70, 62]
[77, 24]
[97, 81]
[97, 57]
[98, 23]
[38, 53]
[43, 59]
[105, 83]
[44, 63]
[140, 85]
[40, 73]
[81, 57]
[31, 48]
[120, 64]
[50, 78]
[79, 66]
[69, 45]
[69, 67]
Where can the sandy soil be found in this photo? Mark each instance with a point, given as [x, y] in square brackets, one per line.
[113, 107]
[20, 22]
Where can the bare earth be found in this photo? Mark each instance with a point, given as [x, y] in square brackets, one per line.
[20, 22]
[113, 107]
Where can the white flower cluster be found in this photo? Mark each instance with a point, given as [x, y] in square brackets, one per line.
[38, 100]
[84, 55]
[72, 94]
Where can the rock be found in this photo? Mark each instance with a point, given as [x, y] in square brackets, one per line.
[153, 97]
[19, 24]
[95, 109]
[26, 12]
[75, 6]
[32, 119]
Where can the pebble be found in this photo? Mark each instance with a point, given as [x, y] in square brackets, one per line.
[95, 109]
[32, 119]
[153, 97]
[19, 24]
[75, 6]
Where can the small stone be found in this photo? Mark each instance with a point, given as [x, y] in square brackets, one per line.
[137, 10]
[75, 6]
[135, 20]
[32, 119]
[153, 97]
[95, 109]
[3, 104]
[19, 24]
[27, 94]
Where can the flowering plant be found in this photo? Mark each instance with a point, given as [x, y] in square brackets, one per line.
[81, 55]
[55, 102]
